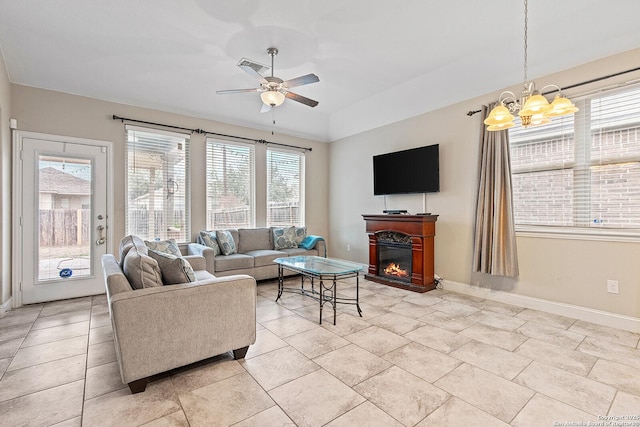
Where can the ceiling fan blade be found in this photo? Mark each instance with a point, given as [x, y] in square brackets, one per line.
[224, 92]
[302, 80]
[302, 99]
[265, 108]
[253, 69]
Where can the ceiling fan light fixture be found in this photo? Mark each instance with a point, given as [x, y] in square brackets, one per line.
[272, 98]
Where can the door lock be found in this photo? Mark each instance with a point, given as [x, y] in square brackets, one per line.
[101, 238]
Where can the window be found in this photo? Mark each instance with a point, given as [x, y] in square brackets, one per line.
[157, 184]
[230, 185]
[285, 188]
[581, 173]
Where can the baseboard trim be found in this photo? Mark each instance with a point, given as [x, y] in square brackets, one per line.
[5, 307]
[600, 317]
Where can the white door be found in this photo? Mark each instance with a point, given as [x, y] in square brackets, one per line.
[62, 218]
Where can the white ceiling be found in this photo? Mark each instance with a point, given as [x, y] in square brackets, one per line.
[378, 61]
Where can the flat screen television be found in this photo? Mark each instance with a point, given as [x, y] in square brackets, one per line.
[409, 171]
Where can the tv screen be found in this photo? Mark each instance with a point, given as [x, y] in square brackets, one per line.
[408, 171]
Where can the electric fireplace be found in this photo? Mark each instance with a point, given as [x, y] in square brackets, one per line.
[394, 256]
[401, 250]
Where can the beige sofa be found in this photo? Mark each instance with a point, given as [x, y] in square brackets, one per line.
[255, 254]
[161, 327]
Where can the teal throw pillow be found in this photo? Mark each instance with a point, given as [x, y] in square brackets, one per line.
[226, 242]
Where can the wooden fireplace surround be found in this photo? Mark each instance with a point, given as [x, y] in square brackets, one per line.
[422, 231]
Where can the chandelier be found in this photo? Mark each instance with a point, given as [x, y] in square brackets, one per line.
[532, 107]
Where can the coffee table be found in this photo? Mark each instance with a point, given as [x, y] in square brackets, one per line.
[327, 271]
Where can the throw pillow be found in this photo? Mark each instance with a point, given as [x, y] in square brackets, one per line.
[208, 238]
[301, 233]
[167, 246]
[226, 242]
[284, 238]
[174, 269]
[141, 270]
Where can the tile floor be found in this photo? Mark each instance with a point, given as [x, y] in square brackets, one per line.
[434, 359]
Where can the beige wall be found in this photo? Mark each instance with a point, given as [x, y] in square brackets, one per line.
[57, 113]
[5, 184]
[560, 270]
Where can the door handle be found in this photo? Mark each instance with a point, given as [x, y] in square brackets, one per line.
[101, 239]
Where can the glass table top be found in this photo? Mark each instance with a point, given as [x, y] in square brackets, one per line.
[319, 265]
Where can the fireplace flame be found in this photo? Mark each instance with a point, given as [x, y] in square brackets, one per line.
[394, 269]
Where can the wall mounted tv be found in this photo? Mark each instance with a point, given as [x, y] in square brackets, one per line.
[409, 171]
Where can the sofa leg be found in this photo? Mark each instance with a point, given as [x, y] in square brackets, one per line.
[240, 353]
[138, 386]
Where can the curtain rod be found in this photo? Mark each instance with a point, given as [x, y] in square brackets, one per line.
[201, 131]
[597, 79]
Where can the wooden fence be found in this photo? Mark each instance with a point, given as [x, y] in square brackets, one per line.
[64, 227]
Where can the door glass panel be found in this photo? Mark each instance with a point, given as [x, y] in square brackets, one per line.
[64, 207]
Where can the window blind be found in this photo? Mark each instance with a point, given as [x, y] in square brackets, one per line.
[285, 188]
[158, 187]
[581, 171]
[230, 185]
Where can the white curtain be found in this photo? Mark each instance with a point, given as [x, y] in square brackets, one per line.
[495, 238]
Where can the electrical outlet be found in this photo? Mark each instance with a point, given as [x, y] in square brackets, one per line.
[348, 248]
[612, 287]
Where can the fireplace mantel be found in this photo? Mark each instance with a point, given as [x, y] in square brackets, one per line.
[421, 229]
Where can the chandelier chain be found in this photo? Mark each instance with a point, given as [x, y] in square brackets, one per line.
[526, 24]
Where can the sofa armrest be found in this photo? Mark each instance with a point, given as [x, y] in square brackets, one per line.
[206, 252]
[197, 262]
[321, 246]
[114, 279]
[161, 328]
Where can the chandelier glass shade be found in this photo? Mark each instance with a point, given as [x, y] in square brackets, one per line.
[272, 98]
[532, 107]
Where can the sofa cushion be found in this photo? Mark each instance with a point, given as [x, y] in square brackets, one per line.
[174, 269]
[226, 242]
[284, 238]
[233, 262]
[203, 275]
[141, 270]
[167, 246]
[253, 239]
[265, 256]
[209, 238]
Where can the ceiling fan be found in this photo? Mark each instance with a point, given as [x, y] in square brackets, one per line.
[273, 90]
